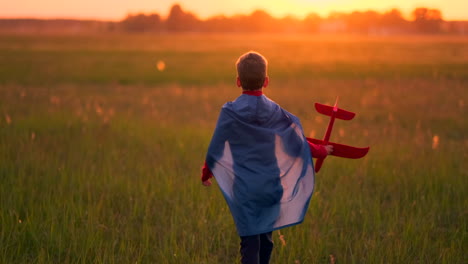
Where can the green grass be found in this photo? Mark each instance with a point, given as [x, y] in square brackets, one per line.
[131, 59]
[100, 153]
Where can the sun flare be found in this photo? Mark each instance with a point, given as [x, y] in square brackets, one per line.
[452, 9]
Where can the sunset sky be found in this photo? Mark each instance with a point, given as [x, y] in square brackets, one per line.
[117, 9]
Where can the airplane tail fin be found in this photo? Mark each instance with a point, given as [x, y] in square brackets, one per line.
[328, 111]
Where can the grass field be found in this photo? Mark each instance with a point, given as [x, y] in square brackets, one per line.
[100, 151]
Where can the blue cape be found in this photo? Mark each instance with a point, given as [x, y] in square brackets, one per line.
[262, 163]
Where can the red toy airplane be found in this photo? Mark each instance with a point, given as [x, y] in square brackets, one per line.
[339, 150]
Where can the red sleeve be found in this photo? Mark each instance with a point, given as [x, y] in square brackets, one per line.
[206, 173]
[317, 151]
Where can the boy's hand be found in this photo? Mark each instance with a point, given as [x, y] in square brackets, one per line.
[206, 183]
[329, 149]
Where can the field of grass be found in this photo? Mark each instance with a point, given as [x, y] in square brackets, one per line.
[100, 151]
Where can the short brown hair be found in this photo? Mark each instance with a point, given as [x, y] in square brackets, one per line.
[252, 70]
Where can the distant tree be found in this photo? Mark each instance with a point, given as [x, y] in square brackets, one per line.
[179, 20]
[337, 16]
[363, 22]
[239, 23]
[260, 21]
[427, 20]
[288, 24]
[393, 22]
[311, 23]
[336, 22]
[218, 24]
[141, 23]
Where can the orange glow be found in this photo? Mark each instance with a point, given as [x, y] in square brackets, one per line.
[8, 119]
[116, 10]
[161, 65]
[435, 142]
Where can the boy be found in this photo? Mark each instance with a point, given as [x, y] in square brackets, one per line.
[261, 161]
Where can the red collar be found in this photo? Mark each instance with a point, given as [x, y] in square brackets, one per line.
[254, 93]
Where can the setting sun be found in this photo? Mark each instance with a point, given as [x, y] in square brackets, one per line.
[116, 10]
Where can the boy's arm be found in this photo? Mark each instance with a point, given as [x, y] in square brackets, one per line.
[206, 175]
[216, 147]
[319, 151]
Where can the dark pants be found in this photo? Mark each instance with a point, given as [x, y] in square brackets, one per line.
[256, 249]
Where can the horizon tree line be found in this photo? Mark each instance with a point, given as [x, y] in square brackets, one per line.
[425, 20]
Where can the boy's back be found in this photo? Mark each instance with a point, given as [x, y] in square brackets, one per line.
[261, 161]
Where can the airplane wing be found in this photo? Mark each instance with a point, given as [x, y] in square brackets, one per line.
[343, 151]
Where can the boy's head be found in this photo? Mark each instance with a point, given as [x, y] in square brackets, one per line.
[252, 71]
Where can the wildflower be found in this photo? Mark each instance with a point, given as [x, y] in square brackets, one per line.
[7, 119]
[98, 110]
[341, 132]
[312, 133]
[55, 100]
[281, 237]
[177, 91]
[435, 141]
[366, 132]
[318, 119]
